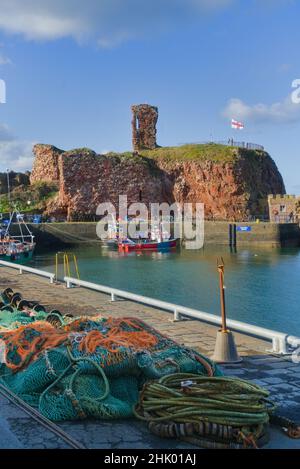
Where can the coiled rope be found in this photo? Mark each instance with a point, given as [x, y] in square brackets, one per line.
[227, 412]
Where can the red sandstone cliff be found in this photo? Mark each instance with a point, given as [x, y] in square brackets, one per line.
[233, 187]
[230, 190]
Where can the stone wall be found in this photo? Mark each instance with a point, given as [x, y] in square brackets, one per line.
[88, 179]
[216, 233]
[284, 208]
[144, 120]
[45, 166]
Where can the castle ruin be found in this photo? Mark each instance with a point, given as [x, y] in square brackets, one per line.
[144, 122]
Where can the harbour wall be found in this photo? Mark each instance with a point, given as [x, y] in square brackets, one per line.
[218, 233]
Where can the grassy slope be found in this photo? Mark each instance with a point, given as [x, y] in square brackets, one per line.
[211, 152]
[200, 152]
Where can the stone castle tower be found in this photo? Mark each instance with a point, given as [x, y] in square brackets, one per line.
[284, 208]
[144, 122]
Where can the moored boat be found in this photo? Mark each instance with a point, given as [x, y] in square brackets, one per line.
[16, 248]
[16, 251]
[128, 245]
[110, 243]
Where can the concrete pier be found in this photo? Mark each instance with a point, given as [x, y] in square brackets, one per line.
[277, 373]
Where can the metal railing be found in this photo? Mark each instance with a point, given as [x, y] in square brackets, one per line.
[230, 143]
[23, 268]
[283, 218]
[247, 145]
[280, 341]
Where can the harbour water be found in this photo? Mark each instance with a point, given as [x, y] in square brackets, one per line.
[262, 285]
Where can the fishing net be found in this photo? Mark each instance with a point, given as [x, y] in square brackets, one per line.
[90, 367]
[14, 319]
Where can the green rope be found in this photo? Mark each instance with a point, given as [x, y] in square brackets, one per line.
[221, 400]
[98, 368]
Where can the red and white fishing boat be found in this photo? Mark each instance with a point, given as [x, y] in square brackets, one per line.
[16, 248]
[128, 245]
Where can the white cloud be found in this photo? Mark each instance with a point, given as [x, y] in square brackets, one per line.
[14, 154]
[280, 112]
[109, 22]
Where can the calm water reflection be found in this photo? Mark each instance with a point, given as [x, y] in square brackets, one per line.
[262, 285]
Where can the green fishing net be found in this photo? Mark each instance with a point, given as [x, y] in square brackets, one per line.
[68, 382]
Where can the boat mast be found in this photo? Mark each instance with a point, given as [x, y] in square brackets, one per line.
[8, 191]
[11, 215]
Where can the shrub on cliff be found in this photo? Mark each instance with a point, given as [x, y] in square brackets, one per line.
[38, 194]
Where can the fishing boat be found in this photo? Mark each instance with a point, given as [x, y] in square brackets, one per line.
[128, 245]
[16, 248]
[114, 232]
[110, 243]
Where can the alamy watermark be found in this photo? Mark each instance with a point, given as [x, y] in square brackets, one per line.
[155, 221]
[2, 92]
[295, 96]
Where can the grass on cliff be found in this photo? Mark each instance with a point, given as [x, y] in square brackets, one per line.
[210, 151]
[193, 152]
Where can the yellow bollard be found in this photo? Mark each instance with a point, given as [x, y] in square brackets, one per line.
[76, 266]
[66, 264]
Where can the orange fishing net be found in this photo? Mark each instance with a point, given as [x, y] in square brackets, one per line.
[24, 343]
[115, 339]
[27, 342]
[118, 333]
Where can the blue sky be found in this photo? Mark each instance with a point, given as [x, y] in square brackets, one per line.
[73, 69]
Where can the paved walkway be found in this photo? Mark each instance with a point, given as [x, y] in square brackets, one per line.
[278, 374]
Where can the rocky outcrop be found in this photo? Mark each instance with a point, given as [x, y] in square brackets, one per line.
[231, 188]
[144, 120]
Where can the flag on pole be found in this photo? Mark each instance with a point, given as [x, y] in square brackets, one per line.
[236, 124]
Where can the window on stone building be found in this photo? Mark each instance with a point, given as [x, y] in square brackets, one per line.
[282, 208]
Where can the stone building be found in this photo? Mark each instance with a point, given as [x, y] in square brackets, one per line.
[284, 208]
[144, 120]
